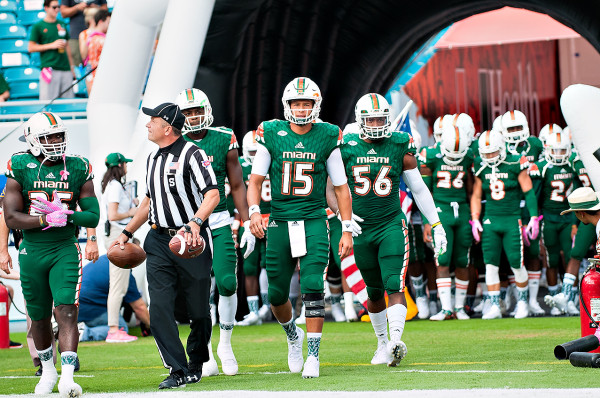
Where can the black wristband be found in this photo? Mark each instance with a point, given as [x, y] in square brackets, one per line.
[127, 234]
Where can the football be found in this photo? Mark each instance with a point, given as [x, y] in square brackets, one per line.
[180, 248]
[130, 257]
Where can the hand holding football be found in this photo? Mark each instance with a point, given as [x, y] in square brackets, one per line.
[180, 248]
[130, 257]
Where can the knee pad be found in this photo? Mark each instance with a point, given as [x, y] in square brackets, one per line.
[277, 296]
[227, 285]
[392, 284]
[311, 283]
[520, 274]
[375, 293]
[492, 276]
[315, 305]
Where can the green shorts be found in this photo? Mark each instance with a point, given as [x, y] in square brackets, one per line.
[502, 232]
[381, 253]
[50, 273]
[224, 261]
[281, 265]
[556, 236]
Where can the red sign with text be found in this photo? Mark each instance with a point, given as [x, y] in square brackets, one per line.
[487, 81]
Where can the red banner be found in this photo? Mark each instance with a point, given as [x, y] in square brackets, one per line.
[487, 81]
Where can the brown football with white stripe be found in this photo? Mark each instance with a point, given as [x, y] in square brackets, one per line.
[180, 248]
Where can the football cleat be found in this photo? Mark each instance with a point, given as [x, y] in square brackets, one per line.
[228, 361]
[461, 314]
[337, 313]
[265, 313]
[174, 380]
[194, 373]
[535, 309]
[443, 315]
[210, 368]
[503, 307]
[311, 367]
[69, 389]
[493, 313]
[558, 301]
[433, 307]
[251, 319]
[382, 354]
[46, 383]
[423, 307]
[555, 312]
[295, 358]
[397, 350]
[350, 313]
[521, 310]
[572, 309]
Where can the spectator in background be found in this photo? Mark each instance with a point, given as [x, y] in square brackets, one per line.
[49, 37]
[74, 9]
[4, 90]
[120, 207]
[95, 45]
[89, 15]
[92, 303]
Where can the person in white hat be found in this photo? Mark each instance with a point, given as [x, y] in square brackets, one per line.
[586, 205]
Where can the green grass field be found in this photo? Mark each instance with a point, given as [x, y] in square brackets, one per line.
[503, 353]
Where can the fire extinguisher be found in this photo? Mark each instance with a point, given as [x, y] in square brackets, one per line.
[4, 340]
[589, 299]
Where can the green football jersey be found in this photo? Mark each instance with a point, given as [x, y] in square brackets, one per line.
[217, 142]
[557, 183]
[501, 185]
[41, 181]
[532, 149]
[374, 170]
[298, 168]
[584, 178]
[448, 180]
[265, 192]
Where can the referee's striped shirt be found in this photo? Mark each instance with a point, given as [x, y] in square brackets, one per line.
[177, 178]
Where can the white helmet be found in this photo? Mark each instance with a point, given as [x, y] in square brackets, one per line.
[194, 98]
[416, 136]
[373, 106]
[492, 148]
[439, 125]
[549, 129]
[515, 127]
[454, 145]
[465, 123]
[249, 145]
[558, 148]
[301, 88]
[497, 125]
[38, 127]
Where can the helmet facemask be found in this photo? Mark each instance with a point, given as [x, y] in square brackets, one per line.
[492, 148]
[558, 149]
[197, 123]
[378, 129]
[290, 114]
[301, 88]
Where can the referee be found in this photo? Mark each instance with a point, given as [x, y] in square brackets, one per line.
[181, 193]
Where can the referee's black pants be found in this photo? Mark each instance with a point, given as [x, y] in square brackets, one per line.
[166, 275]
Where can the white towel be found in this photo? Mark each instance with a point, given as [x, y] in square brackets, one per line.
[297, 238]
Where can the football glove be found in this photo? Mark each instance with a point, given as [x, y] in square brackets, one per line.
[440, 242]
[533, 228]
[356, 228]
[247, 238]
[57, 218]
[45, 207]
[476, 230]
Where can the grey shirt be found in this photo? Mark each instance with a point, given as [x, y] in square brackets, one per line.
[77, 24]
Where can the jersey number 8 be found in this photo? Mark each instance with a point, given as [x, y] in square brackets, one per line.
[497, 190]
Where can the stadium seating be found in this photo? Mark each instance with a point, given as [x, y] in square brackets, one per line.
[21, 73]
[12, 32]
[8, 6]
[14, 59]
[27, 18]
[25, 90]
[13, 46]
[30, 5]
[7, 18]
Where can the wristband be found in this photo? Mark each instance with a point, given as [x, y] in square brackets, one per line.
[347, 226]
[42, 224]
[435, 224]
[127, 234]
[253, 209]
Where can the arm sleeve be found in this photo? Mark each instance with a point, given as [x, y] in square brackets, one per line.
[261, 162]
[335, 168]
[421, 194]
[531, 201]
[89, 215]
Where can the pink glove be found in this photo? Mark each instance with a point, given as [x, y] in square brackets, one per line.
[525, 237]
[476, 229]
[57, 218]
[533, 228]
[45, 207]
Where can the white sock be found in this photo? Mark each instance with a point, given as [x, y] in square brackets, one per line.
[534, 284]
[252, 303]
[445, 292]
[349, 300]
[67, 366]
[211, 356]
[47, 360]
[227, 310]
[379, 323]
[396, 318]
[461, 292]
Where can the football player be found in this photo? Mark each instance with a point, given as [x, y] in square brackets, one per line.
[220, 146]
[375, 159]
[299, 154]
[43, 189]
[450, 168]
[503, 178]
[255, 262]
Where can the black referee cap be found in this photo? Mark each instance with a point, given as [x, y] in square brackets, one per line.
[169, 112]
